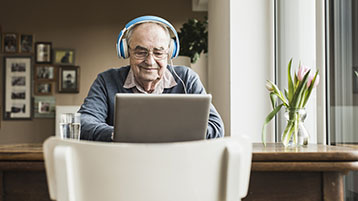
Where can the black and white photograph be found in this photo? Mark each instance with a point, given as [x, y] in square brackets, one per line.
[26, 43]
[18, 94]
[18, 108]
[17, 89]
[68, 79]
[64, 56]
[44, 72]
[43, 88]
[10, 42]
[43, 52]
[18, 67]
[18, 81]
[44, 107]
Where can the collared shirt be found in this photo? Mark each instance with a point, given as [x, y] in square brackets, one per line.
[166, 82]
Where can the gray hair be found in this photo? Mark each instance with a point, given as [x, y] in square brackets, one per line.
[129, 33]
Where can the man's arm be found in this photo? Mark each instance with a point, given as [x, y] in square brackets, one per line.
[94, 112]
[215, 124]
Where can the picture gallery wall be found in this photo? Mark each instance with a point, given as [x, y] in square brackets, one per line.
[33, 71]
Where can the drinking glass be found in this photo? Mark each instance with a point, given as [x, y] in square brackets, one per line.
[70, 126]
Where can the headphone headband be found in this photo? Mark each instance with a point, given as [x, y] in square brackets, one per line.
[121, 45]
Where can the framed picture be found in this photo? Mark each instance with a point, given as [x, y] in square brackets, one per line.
[26, 44]
[45, 72]
[1, 48]
[0, 42]
[10, 42]
[43, 88]
[43, 52]
[44, 106]
[68, 78]
[64, 56]
[17, 87]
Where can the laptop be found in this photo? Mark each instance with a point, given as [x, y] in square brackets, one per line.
[151, 118]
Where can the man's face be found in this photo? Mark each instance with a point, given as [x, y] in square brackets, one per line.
[150, 39]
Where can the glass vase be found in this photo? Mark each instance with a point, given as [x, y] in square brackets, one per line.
[295, 133]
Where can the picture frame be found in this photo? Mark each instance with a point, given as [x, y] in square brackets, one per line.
[10, 42]
[26, 43]
[42, 88]
[68, 79]
[45, 72]
[44, 107]
[17, 87]
[43, 52]
[62, 56]
[1, 42]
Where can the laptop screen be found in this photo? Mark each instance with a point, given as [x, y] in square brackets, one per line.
[150, 118]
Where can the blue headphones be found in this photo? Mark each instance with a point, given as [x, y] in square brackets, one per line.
[122, 46]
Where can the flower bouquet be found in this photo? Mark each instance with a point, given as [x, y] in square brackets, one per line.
[294, 100]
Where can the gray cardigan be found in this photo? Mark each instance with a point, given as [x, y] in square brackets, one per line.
[97, 111]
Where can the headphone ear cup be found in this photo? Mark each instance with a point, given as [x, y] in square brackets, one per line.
[172, 48]
[124, 48]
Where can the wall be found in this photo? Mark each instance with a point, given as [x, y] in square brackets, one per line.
[252, 63]
[89, 27]
[240, 62]
[296, 39]
[219, 58]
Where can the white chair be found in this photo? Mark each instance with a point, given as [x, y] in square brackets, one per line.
[205, 170]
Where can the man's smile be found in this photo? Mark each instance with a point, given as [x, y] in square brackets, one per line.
[149, 68]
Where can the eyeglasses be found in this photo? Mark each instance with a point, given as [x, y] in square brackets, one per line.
[143, 53]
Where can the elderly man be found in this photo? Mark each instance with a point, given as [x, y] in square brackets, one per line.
[149, 47]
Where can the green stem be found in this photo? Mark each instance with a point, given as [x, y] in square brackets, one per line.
[291, 127]
[287, 134]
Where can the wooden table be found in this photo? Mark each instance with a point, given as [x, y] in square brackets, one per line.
[311, 173]
[22, 173]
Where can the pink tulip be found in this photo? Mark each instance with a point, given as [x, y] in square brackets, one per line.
[310, 78]
[302, 70]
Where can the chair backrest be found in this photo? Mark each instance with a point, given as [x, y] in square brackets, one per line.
[204, 170]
